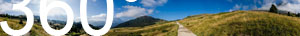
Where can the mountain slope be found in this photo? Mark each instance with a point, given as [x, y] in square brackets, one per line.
[36, 30]
[243, 23]
[140, 22]
[158, 29]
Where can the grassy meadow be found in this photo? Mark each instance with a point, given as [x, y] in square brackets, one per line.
[159, 29]
[243, 23]
[236, 23]
[36, 30]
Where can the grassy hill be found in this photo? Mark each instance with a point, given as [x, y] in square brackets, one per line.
[145, 26]
[36, 30]
[243, 23]
[140, 22]
[148, 26]
[158, 29]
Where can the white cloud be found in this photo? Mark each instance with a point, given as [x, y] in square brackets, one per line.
[266, 4]
[1, 1]
[150, 11]
[35, 2]
[134, 11]
[56, 12]
[236, 7]
[239, 7]
[152, 3]
[288, 5]
[130, 0]
[5, 6]
[97, 19]
[94, 20]
[16, 1]
[77, 19]
[100, 17]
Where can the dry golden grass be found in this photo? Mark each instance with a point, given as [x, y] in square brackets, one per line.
[36, 30]
[167, 29]
[242, 23]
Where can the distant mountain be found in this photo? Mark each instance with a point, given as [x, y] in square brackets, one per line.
[140, 22]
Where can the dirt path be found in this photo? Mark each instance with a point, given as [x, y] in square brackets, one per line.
[182, 31]
[27, 34]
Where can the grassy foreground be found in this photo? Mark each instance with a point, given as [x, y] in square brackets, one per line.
[159, 29]
[243, 23]
[36, 30]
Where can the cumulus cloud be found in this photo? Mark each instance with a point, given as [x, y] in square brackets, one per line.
[236, 7]
[295, 8]
[239, 7]
[137, 11]
[134, 11]
[287, 5]
[152, 3]
[94, 18]
[5, 6]
[97, 19]
[267, 4]
[56, 12]
[100, 17]
[245, 4]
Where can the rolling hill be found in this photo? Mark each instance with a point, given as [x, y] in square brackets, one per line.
[243, 23]
[145, 26]
[158, 29]
[14, 23]
[140, 22]
[236, 23]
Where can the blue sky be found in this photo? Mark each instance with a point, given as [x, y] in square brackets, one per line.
[163, 9]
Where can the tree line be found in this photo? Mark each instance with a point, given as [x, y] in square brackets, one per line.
[274, 9]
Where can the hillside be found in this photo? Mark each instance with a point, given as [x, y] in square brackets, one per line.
[140, 22]
[37, 29]
[145, 26]
[158, 29]
[243, 23]
[14, 23]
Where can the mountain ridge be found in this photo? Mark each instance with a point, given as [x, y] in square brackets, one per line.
[140, 22]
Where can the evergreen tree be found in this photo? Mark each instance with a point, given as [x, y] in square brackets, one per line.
[273, 9]
[21, 21]
[289, 14]
[298, 15]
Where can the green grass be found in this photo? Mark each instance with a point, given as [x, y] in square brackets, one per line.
[36, 30]
[166, 29]
[243, 23]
